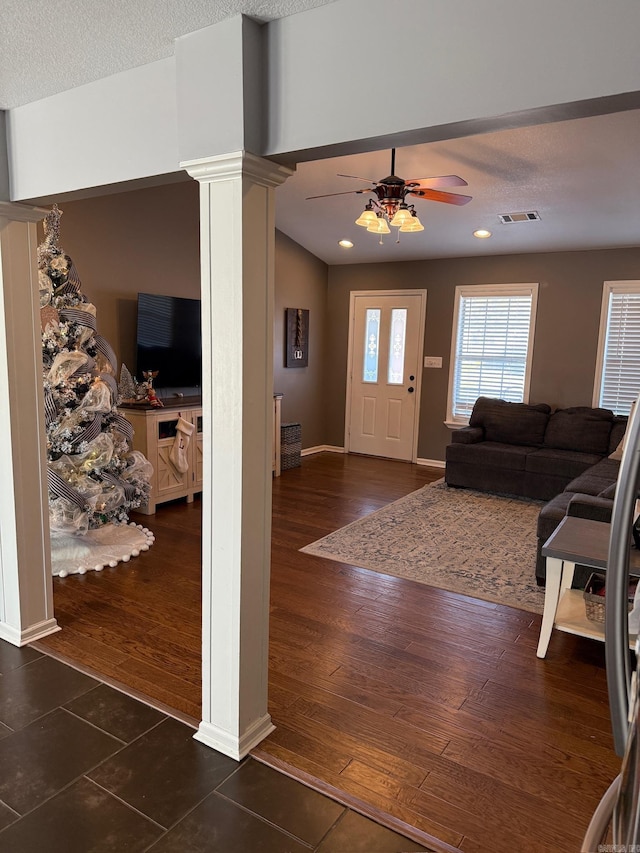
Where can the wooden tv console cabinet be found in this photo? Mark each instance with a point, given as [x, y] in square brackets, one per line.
[154, 435]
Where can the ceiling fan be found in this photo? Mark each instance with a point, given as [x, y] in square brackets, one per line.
[390, 205]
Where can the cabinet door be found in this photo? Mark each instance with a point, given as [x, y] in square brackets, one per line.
[169, 481]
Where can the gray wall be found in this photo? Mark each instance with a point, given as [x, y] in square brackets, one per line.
[142, 241]
[301, 282]
[566, 335]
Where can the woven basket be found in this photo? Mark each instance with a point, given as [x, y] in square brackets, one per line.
[290, 446]
[594, 597]
[594, 602]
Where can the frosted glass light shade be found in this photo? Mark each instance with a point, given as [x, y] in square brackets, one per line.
[402, 217]
[379, 227]
[413, 226]
[367, 217]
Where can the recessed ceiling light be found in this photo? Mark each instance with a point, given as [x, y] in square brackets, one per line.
[346, 244]
[482, 233]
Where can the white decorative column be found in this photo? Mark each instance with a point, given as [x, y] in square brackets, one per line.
[237, 257]
[26, 586]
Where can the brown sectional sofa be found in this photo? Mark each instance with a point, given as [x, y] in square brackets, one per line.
[561, 456]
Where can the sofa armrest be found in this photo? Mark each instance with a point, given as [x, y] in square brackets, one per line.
[591, 507]
[467, 435]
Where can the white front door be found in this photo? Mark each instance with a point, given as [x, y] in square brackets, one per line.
[383, 387]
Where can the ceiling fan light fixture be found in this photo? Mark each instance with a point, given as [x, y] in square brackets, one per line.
[367, 218]
[381, 225]
[389, 207]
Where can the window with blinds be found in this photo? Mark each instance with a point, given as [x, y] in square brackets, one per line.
[618, 367]
[491, 346]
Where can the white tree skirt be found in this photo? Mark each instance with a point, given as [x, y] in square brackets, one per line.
[99, 548]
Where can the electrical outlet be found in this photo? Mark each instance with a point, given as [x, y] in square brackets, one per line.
[433, 361]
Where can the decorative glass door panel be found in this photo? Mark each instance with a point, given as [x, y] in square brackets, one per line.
[397, 346]
[371, 346]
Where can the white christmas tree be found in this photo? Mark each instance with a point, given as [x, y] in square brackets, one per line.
[94, 477]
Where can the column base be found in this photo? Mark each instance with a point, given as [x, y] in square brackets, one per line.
[228, 744]
[29, 635]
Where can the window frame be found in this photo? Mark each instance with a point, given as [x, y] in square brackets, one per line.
[608, 289]
[488, 290]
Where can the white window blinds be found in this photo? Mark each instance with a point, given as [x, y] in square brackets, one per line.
[493, 345]
[620, 359]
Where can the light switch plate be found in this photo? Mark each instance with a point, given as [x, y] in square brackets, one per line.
[433, 361]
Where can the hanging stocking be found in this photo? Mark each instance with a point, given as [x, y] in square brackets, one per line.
[178, 452]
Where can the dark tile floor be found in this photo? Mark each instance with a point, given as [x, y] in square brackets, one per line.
[87, 769]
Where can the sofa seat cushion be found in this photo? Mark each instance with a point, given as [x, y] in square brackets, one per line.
[607, 469]
[510, 423]
[490, 453]
[560, 463]
[588, 484]
[597, 479]
[581, 428]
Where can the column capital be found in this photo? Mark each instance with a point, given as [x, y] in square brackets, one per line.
[237, 164]
[21, 212]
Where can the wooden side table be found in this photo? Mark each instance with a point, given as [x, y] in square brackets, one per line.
[585, 543]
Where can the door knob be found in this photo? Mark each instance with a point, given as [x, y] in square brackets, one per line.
[410, 389]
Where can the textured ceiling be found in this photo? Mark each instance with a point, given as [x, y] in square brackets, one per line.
[48, 47]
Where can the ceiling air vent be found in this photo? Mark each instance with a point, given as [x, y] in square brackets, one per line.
[529, 216]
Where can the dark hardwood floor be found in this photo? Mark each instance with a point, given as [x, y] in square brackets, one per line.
[426, 705]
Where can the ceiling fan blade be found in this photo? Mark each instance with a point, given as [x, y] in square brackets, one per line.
[439, 181]
[357, 178]
[347, 192]
[437, 195]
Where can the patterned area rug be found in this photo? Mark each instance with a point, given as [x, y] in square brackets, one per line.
[460, 540]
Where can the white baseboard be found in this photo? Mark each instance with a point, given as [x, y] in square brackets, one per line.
[431, 463]
[330, 448]
[321, 448]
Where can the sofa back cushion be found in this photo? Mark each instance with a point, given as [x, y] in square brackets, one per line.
[580, 428]
[510, 423]
[616, 439]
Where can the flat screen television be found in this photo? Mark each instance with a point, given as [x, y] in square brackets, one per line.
[169, 340]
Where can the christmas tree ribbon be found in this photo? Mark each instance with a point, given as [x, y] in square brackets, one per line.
[104, 347]
[90, 432]
[109, 380]
[73, 276]
[128, 489]
[75, 315]
[61, 489]
[50, 410]
[123, 426]
[87, 367]
[69, 288]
